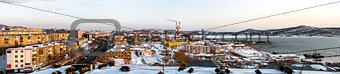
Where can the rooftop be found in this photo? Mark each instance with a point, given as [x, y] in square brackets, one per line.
[35, 46]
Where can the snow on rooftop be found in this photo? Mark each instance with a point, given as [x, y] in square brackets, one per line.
[318, 67]
[111, 50]
[36, 46]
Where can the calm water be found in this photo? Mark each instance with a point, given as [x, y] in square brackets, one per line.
[298, 45]
[329, 46]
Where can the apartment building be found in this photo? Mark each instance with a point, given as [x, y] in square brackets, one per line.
[120, 53]
[22, 37]
[207, 49]
[58, 34]
[22, 40]
[34, 56]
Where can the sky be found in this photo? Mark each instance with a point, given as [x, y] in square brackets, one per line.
[151, 14]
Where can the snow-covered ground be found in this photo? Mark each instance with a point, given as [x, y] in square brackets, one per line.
[243, 36]
[173, 70]
[197, 70]
[3, 63]
[49, 71]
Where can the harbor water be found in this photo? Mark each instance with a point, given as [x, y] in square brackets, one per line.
[327, 46]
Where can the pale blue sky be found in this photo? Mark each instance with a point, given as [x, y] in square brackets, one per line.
[194, 14]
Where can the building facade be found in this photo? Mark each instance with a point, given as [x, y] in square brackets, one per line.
[35, 56]
[207, 49]
[172, 43]
[23, 40]
[23, 37]
[119, 53]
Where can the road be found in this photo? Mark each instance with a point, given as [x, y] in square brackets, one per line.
[100, 51]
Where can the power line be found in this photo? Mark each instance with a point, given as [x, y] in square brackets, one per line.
[274, 15]
[53, 12]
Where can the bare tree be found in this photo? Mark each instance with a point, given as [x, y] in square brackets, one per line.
[181, 57]
[127, 61]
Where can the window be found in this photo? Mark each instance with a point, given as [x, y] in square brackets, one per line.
[16, 51]
[21, 60]
[21, 56]
[16, 65]
[16, 61]
[22, 51]
[16, 56]
[21, 65]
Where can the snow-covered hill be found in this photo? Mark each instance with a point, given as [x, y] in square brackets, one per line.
[301, 30]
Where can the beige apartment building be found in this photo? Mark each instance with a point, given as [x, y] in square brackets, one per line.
[23, 37]
[197, 49]
[35, 56]
[23, 40]
[59, 36]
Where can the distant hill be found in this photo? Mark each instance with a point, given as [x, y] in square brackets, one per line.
[301, 30]
[5, 26]
[306, 31]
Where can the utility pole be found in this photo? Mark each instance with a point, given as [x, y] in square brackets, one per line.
[165, 59]
[303, 65]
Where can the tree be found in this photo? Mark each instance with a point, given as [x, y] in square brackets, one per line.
[180, 57]
[191, 70]
[182, 67]
[217, 70]
[125, 68]
[281, 68]
[83, 70]
[227, 71]
[160, 72]
[257, 71]
[72, 72]
[127, 61]
[165, 59]
[70, 69]
[287, 70]
[55, 72]
[101, 66]
[103, 59]
[112, 63]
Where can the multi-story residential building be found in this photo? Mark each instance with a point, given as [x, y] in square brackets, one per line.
[208, 49]
[22, 37]
[58, 34]
[22, 40]
[34, 56]
[120, 53]
[78, 33]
